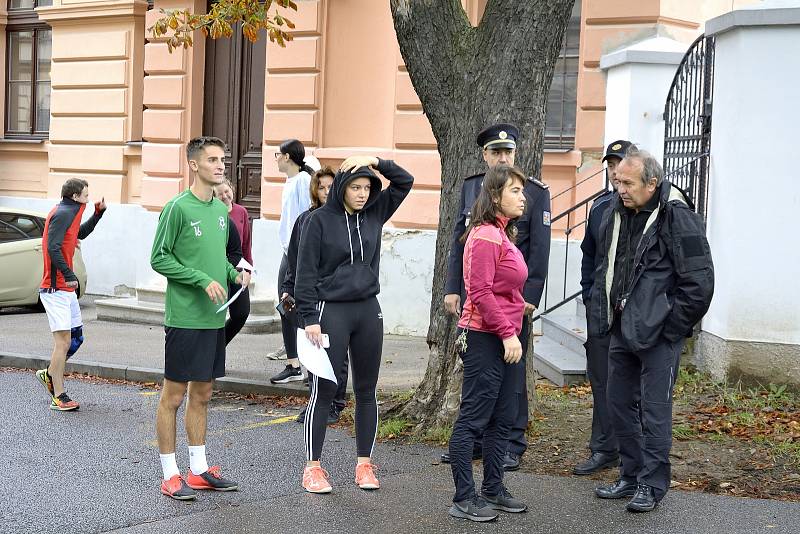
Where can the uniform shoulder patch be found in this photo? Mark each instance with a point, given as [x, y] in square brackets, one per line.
[538, 182]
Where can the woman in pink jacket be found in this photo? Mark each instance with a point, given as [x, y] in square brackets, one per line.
[491, 320]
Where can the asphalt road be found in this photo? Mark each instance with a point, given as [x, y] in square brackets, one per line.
[97, 470]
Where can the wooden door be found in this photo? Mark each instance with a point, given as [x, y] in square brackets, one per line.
[234, 110]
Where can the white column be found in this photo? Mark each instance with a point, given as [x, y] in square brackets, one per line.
[638, 78]
[753, 326]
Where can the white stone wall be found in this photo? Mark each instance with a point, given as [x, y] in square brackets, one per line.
[755, 194]
[638, 78]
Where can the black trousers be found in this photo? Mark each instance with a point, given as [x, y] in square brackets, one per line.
[239, 311]
[643, 445]
[288, 322]
[340, 400]
[603, 438]
[354, 328]
[517, 440]
[489, 398]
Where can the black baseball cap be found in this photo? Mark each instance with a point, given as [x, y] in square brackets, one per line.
[617, 149]
[502, 135]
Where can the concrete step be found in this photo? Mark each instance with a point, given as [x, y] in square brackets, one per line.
[568, 330]
[258, 305]
[132, 310]
[559, 364]
[580, 307]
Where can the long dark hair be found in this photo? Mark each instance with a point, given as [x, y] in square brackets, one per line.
[313, 188]
[485, 210]
[297, 153]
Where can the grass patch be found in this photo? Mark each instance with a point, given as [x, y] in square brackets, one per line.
[788, 449]
[391, 428]
[683, 432]
[438, 434]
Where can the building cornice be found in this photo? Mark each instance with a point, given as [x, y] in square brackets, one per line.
[76, 13]
[780, 13]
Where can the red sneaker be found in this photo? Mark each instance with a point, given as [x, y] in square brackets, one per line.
[176, 488]
[63, 403]
[315, 480]
[365, 476]
[210, 480]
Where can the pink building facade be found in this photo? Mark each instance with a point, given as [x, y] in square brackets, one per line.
[88, 94]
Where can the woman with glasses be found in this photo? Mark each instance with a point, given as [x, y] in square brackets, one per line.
[295, 199]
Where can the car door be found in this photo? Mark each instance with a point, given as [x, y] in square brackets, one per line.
[20, 258]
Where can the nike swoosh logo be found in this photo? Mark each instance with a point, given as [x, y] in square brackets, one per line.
[195, 223]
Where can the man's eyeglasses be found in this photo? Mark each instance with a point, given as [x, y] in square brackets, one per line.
[278, 154]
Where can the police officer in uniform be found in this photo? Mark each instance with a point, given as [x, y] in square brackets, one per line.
[654, 282]
[499, 143]
[603, 442]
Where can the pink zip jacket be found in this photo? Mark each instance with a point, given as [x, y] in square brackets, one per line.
[494, 274]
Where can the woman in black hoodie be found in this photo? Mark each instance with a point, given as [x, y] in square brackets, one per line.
[335, 288]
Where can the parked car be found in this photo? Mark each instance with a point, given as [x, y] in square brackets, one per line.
[21, 261]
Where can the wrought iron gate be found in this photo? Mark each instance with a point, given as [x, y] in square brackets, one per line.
[687, 118]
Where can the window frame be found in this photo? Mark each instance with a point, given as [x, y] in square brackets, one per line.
[21, 20]
[24, 236]
[565, 140]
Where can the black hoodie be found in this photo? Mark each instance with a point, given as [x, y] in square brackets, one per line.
[340, 253]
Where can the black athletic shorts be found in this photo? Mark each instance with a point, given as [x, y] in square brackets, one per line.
[194, 355]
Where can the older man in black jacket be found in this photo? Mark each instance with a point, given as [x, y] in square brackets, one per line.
[655, 282]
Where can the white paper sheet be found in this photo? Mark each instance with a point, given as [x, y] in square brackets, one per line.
[314, 358]
[244, 264]
[230, 300]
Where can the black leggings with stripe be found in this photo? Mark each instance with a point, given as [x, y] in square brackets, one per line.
[357, 326]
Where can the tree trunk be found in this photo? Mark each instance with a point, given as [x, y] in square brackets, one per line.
[530, 371]
[466, 78]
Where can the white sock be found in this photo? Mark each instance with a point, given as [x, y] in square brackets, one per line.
[197, 459]
[169, 465]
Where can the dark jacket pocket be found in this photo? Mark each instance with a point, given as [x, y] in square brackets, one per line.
[644, 315]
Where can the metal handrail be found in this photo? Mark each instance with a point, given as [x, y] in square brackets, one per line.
[567, 190]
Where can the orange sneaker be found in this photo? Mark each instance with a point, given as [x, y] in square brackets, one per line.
[315, 480]
[63, 403]
[210, 480]
[365, 476]
[176, 488]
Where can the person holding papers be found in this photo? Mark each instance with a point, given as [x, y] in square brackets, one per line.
[239, 308]
[336, 284]
[321, 183]
[189, 250]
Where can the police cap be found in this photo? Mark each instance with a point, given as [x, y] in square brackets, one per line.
[617, 149]
[501, 135]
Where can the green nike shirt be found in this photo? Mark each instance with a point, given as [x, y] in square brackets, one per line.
[189, 250]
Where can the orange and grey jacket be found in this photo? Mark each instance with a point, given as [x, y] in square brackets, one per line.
[62, 230]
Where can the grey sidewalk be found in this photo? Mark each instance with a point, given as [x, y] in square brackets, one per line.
[136, 352]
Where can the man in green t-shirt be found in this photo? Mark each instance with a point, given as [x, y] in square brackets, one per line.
[189, 250]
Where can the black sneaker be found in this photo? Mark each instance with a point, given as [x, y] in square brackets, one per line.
[505, 502]
[333, 415]
[301, 417]
[475, 509]
[289, 374]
